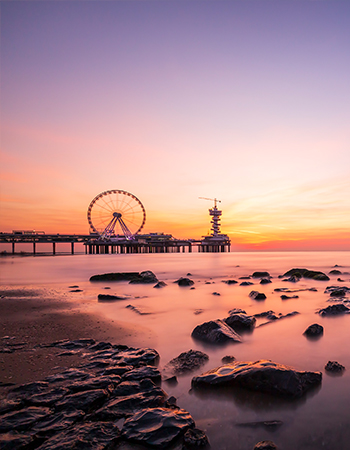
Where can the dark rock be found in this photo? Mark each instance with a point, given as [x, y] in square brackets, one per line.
[293, 279]
[143, 372]
[110, 298]
[264, 376]
[338, 293]
[215, 332]
[265, 314]
[184, 282]
[15, 441]
[334, 367]
[23, 419]
[314, 275]
[260, 275]
[160, 284]
[136, 356]
[101, 382]
[57, 422]
[288, 297]
[216, 293]
[172, 381]
[84, 401]
[227, 359]
[195, 438]
[265, 281]
[137, 310]
[87, 436]
[76, 290]
[244, 278]
[240, 322]
[335, 272]
[230, 281]
[265, 445]
[48, 398]
[157, 427]
[144, 278]
[246, 283]
[237, 311]
[314, 330]
[333, 310]
[187, 362]
[119, 276]
[257, 295]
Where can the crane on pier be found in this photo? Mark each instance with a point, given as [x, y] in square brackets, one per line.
[215, 200]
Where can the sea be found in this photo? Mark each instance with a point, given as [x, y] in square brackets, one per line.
[232, 420]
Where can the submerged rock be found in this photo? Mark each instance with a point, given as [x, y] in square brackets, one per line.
[157, 427]
[184, 282]
[261, 275]
[195, 438]
[240, 322]
[187, 362]
[133, 277]
[333, 310]
[257, 295]
[334, 367]
[110, 298]
[215, 332]
[263, 376]
[314, 330]
[160, 284]
[230, 281]
[306, 273]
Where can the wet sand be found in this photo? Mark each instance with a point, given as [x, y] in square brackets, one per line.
[29, 318]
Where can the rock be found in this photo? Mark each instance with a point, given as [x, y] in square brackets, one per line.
[335, 272]
[187, 362]
[157, 427]
[265, 281]
[244, 278]
[160, 284]
[194, 438]
[237, 311]
[14, 441]
[293, 279]
[216, 293]
[269, 424]
[145, 277]
[23, 419]
[172, 381]
[288, 297]
[87, 436]
[133, 277]
[119, 276]
[333, 310]
[263, 376]
[257, 295]
[227, 359]
[334, 367]
[137, 310]
[314, 330]
[240, 322]
[215, 332]
[246, 283]
[142, 372]
[260, 275]
[84, 401]
[265, 445]
[230, 281]
[110, 298]
[314, 275]
[184, 282]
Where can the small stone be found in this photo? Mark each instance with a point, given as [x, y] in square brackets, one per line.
[257, 295]
[227, 359]
[184, 282]
[334, 366]
[194, 438]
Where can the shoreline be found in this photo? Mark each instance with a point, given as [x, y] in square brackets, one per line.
[30, 319]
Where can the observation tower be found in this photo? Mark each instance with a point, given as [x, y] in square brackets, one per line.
[215, 241]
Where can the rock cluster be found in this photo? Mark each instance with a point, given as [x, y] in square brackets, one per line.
[113, 397]
[306, 273]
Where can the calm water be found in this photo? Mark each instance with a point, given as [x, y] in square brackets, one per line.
[319, 420]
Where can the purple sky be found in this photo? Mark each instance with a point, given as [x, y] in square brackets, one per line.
[246, 101]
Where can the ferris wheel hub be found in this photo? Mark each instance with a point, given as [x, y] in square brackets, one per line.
[117, 215]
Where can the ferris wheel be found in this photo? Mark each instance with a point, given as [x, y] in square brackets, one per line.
[116, 213]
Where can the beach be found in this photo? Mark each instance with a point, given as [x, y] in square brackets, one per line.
[47, 299]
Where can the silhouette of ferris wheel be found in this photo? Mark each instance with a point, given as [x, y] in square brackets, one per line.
[116, 213]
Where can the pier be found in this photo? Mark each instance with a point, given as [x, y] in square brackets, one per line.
[146, 243]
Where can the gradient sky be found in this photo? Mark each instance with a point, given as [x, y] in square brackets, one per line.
[247, 101]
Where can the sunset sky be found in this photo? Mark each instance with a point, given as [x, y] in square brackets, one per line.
[247, 101]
